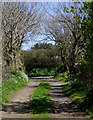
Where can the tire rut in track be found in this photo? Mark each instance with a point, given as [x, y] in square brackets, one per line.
[62, 105]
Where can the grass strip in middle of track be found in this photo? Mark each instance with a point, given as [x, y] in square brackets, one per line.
[40, 101]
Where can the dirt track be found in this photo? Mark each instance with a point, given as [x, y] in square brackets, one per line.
[18, 106]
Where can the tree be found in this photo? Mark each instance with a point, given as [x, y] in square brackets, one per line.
[65, 29]
[87, 28]
[42, 46]
[18, 21]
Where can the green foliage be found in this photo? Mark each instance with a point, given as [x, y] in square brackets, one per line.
[35, 72]
[43, 80]
[83, 62]
[63, 77]
[42, 46]
[86, 70]
[40, 99]
[90, 110]
[79, 95]
[61, 68]
[13, 83]
[41, 115]
[41, 58]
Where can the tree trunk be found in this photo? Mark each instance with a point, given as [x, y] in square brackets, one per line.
[63, 59]
[72, 58]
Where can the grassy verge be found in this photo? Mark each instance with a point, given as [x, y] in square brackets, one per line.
[43, 80]
[40, 101]
[12, 84]
[77, 93]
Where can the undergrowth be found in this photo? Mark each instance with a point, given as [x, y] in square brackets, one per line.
[40, 101]
[63, 77]
[12, 84]
[35, 72]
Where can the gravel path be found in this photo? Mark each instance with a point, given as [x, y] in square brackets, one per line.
[62, 106]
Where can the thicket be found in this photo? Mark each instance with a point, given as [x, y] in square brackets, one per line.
[87, 30]
[41, 58]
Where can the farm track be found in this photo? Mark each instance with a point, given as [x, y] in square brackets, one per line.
[62, 106]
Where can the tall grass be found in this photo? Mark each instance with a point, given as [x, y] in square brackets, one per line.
[12, 84]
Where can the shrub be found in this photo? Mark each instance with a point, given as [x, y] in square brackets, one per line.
[61, 68]
[63, 77]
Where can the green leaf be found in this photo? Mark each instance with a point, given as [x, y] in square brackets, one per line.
[72, 7]
[67, 11]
